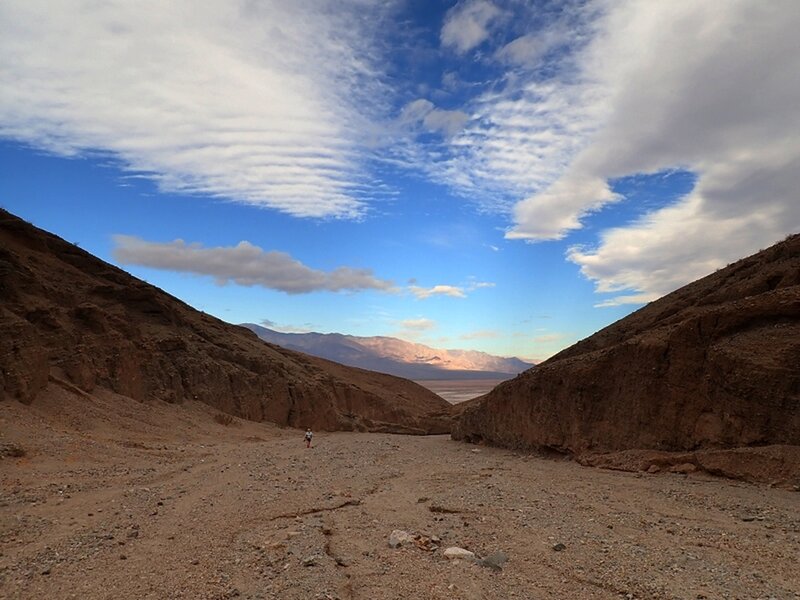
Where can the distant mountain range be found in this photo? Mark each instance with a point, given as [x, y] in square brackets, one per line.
[395, 356]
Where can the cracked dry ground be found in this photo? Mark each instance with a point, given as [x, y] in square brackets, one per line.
[166, 503]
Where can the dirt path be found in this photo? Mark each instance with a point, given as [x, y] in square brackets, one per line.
[181, 507]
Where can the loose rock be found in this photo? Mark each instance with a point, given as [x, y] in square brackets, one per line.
[398, 537]
[455, 552]
[495, 560]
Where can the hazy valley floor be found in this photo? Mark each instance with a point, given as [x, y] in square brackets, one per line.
[116, 499]
[460, 390]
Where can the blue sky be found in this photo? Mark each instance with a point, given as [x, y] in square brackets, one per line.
[503, 176]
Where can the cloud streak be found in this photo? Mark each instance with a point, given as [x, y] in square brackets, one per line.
[725, 107]
[424, 112]
[246, 265]
[266, 103]
[454, 291]
[421, 324]
[468, 24]
[569, 115]
[421, 293]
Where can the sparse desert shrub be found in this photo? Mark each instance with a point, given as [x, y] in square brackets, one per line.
[223, 419]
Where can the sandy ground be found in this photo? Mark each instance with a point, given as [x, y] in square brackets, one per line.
[115, 499]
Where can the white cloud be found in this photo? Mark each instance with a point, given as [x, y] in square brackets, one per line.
[708, 87]
[424, 112]
[528, 50]
[453, 291]
[467, 24]
[420, 324]
[244, 264]
[726, 105]
[437, 290]
[307, 328]
[517, 143]
[268, 103]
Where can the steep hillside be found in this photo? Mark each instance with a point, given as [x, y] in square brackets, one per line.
[395, 356]
[715, 364]
[70, 319]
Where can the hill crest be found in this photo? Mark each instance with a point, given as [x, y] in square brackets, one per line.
[395, 356]
[68, 318]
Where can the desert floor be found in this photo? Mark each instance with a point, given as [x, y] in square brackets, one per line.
[460, 390]
[116, 499]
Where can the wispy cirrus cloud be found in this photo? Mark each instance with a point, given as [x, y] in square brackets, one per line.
[468, 24]
[420, 324]
[269, 324]
[569, 114]
[424, 113]
[244, 264]
[454, 291]
[269, 103]
[422, 293]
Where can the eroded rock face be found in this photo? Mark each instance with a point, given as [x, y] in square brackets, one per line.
[715, 364]
[70, 317]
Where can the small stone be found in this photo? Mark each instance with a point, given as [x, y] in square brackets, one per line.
[559, 547]
[747, 519]
[454, 552]
[195, 562]
[495, 560]
[123, 557]
[46, 571]
[310, 561]
[398, 537]
[653, 469]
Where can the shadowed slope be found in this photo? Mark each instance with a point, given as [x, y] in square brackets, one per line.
[715, 364]
[72, 319]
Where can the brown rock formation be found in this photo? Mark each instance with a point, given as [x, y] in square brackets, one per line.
[715, 364]
[72, 319]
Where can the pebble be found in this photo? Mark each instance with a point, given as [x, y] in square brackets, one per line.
[559, 547]
[398, 537]
[455, 552]
[495, 560]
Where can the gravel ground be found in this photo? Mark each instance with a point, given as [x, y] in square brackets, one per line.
[115, 499]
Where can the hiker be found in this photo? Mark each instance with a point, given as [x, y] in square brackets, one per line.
[308, 437]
